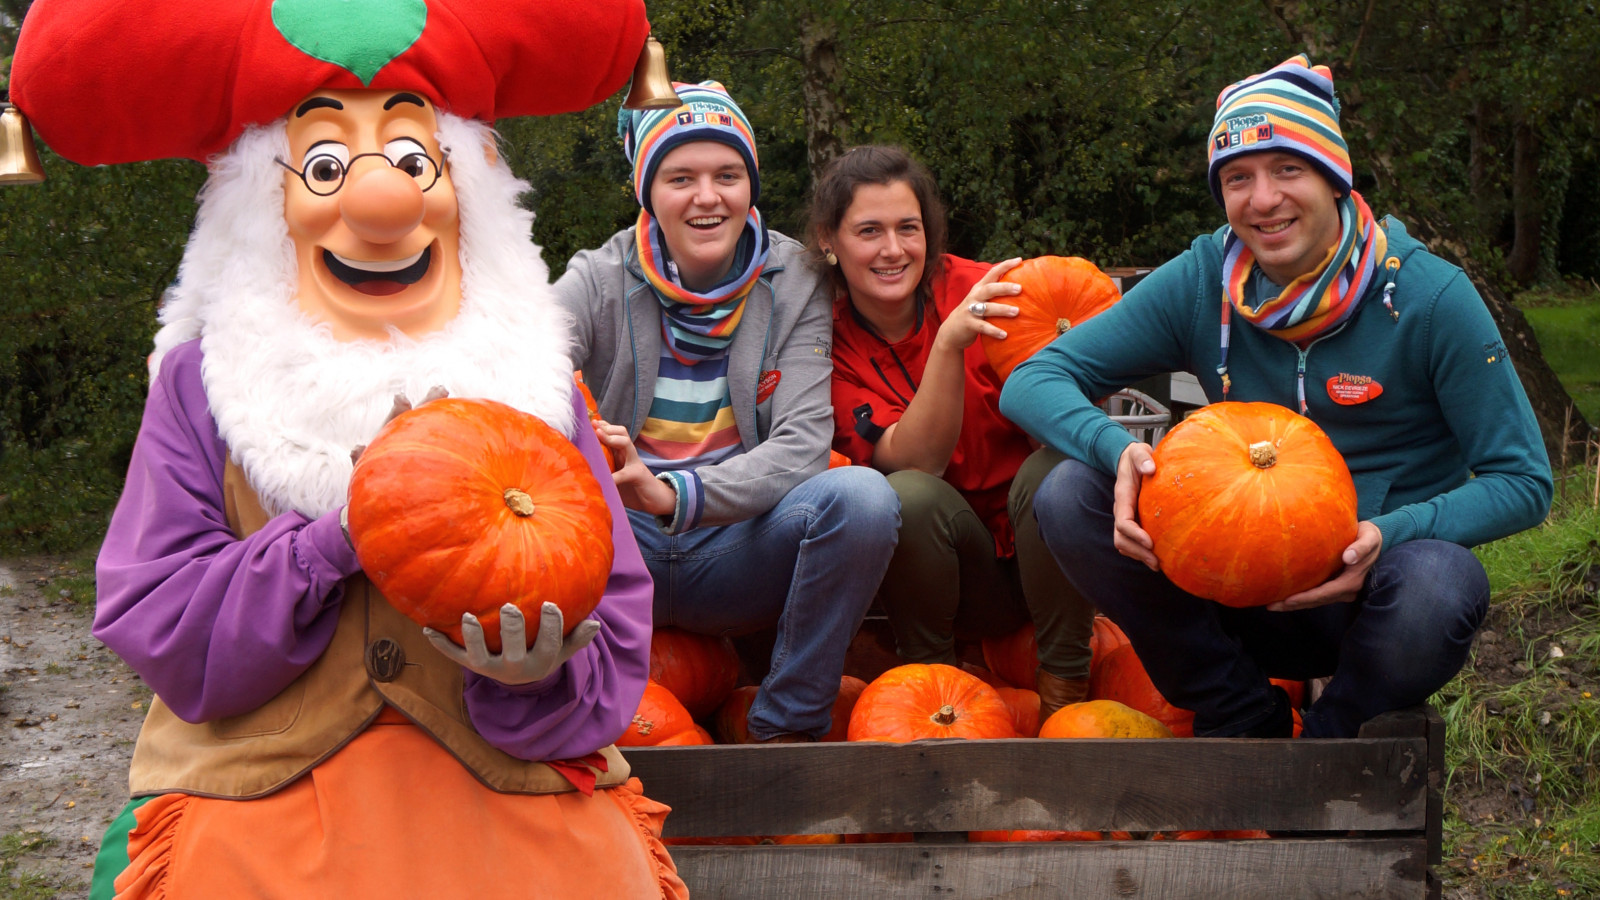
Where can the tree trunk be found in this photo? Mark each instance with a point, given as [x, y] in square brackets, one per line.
[1527, 208]
[819, 86]
[1480, 148]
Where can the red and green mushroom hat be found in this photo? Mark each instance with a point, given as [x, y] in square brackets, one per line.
[111, 82]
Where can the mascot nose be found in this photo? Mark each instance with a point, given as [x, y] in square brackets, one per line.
[381, 204]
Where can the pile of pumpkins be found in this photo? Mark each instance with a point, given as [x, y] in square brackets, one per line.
[694, 680]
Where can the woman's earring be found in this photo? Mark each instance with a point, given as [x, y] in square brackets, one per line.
[828, 255]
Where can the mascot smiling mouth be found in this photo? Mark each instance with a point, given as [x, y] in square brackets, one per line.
[379, 277]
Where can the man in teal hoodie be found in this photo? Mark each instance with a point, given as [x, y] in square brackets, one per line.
[1307, 301]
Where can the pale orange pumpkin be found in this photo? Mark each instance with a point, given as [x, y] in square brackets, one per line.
[465, 505]
[916, 701]
[1101, 719]
[1249, 504]
[1058, 293]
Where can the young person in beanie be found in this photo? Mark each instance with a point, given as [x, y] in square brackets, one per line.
[1307, 301]
[705, 339]
[357, 239]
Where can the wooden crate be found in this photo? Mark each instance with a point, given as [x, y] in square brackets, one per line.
[1350, 818]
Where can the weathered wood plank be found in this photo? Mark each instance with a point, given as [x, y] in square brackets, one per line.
[1116, 870]
[1370, 785]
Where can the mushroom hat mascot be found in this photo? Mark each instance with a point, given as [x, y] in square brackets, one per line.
[358, 240]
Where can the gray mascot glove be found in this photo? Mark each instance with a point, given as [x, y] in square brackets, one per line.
[518, 662]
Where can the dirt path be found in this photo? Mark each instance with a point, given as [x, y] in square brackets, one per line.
[69, 713]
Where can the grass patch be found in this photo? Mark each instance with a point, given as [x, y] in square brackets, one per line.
[75, 575]
[1523, 717]
[19, 885]
[1567, 322]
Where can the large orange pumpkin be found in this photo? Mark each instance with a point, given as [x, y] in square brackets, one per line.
[1249, 504]
[464, 505]
[698, 669]
[660, 719]
[916, 701]
[1058, 293]
[1101, 719]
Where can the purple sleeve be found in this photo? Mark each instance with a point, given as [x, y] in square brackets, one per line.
[587, 703]
[215, 625]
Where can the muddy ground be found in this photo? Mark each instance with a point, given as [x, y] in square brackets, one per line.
[69, 713]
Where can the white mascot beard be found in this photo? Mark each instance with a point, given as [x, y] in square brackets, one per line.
[290, 400]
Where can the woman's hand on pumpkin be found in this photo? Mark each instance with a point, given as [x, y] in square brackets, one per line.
[638, 487]
[1345, 586]
[518, 661]
[965, 324]
[1131, 540]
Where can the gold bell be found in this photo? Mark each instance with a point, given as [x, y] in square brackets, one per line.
[19, 161]
[652, 86]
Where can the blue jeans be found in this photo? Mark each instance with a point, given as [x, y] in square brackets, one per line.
[1407, 633]
[810, 565]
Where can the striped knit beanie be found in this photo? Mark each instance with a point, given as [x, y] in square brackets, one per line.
[1291, 108]
[707, 114]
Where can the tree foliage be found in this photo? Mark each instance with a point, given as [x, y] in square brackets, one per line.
[1052, 127]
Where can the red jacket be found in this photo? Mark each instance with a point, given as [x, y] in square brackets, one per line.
[874, 381]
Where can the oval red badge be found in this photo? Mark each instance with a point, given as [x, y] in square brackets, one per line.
[1348, 390]
[767, 384]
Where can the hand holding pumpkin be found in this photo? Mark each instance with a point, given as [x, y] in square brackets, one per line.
[1131, 540]
[639, 488]
[1358, 558]
[518, 662]
[965, 326]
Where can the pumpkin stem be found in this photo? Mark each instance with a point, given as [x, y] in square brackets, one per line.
[1062, 325]
[518, 502]
[1263, 455]
[946, 715]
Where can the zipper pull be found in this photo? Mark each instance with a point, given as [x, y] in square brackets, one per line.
[1393, 265]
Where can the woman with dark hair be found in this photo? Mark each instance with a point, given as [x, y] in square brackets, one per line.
[914, 397]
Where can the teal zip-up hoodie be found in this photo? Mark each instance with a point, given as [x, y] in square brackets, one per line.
[1440, 440]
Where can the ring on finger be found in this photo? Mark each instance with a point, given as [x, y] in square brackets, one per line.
[978, 309]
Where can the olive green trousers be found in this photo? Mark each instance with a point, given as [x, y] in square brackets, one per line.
[945, 580]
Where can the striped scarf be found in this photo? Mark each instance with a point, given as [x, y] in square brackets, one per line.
[697, 325]
[1315, 303]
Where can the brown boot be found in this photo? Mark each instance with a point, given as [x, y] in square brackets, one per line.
[1055, 693]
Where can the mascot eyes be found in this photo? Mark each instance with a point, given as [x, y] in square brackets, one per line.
[325, 169]
[325, 163]
[409, 157]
